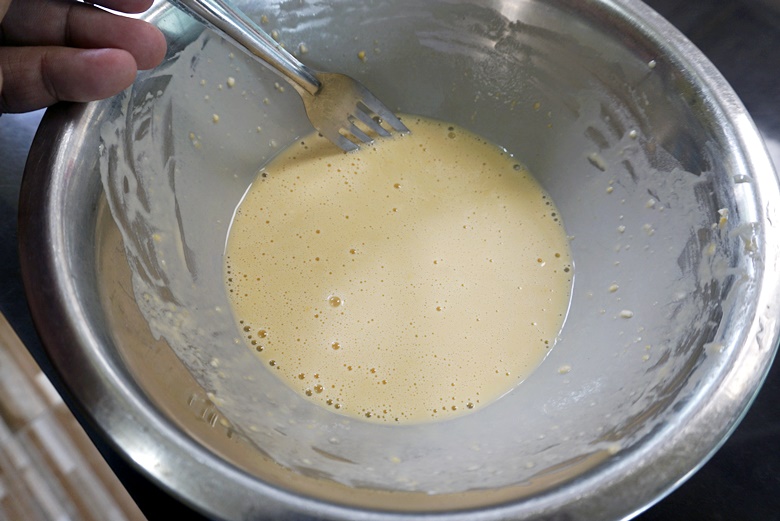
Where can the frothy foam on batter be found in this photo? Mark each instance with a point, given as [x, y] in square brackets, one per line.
[417, 279]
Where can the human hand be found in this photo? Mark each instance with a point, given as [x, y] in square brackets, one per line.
[64, 50]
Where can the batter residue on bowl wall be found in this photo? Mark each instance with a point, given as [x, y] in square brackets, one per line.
[417, 279]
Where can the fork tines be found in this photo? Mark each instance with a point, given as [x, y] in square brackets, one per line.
[371, 113]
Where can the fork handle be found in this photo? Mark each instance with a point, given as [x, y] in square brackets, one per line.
[231, 23]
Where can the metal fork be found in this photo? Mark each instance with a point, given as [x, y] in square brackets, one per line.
[335, 103]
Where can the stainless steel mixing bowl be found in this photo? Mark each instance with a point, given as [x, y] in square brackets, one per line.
[661, 179]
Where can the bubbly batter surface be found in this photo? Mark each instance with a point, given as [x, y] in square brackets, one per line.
[417, 279]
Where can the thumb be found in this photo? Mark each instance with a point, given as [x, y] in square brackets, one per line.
[40, 76]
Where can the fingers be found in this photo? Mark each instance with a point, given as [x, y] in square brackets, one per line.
[124, 6]
[52, 50]
[71, 24]
[35, 77]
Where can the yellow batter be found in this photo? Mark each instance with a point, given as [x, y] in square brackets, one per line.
[417, 279]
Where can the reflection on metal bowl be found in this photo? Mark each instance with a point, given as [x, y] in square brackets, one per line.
[661, 180]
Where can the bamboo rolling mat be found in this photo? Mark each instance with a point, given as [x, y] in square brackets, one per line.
[49, 468]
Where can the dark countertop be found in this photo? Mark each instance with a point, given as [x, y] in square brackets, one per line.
[742, 480]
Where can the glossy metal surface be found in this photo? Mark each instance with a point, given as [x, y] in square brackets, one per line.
[195, 474]
[233, 24]
[334, 102]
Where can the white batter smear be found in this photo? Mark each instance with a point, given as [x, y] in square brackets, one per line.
[417, 279]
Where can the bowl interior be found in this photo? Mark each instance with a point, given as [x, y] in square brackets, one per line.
[629, 141]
